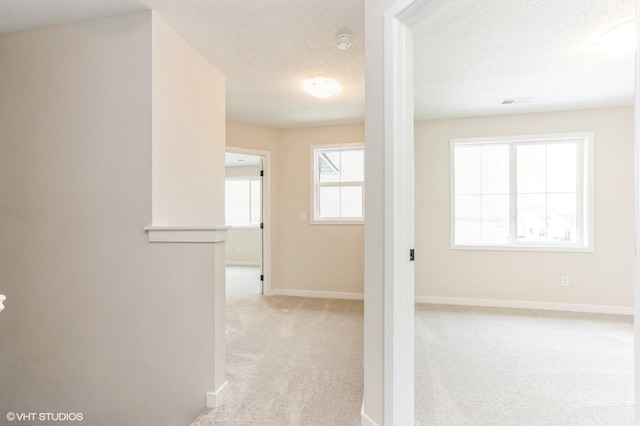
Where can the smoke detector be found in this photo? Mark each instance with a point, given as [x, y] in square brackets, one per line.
[514, 101]
[343, 41]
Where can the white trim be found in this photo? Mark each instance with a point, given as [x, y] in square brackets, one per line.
[314, 216]
[522, 247]
[584, 190]
[187, 234]
[525, 304]
[364, 419]
[241, 263]
[636, 278]
[266, 209]
[318, 294]
[2, 299]
[214, 399]
[399, 391]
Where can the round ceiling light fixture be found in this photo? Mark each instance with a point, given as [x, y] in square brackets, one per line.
[321, 87]
[619, 39]
[343, 41]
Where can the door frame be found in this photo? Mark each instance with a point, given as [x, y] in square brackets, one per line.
[266, 210]
[399, 299]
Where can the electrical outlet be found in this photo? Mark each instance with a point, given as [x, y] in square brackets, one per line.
[565, 281]
[303, 216]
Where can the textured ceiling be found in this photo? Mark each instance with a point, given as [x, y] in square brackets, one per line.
[469, 54]
[265, 49]
[231, 159]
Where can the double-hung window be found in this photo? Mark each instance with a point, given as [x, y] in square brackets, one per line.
[337, 184]
[242, 202]
[522, 193]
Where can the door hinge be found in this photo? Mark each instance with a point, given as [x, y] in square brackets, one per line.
[262, 226]
[412, 255]
[261, 277]
[261, 172]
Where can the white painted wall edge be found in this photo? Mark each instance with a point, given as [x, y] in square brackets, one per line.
[319, 294]
[187, 234]
[364, 419]
[214, 399]
[241, 263]
[523, 304]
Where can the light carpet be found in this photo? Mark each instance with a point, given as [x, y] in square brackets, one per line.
[291, 361]
[298, 361]
[494, 367]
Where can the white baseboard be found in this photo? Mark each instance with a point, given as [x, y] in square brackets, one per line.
[364, 419]
[214, 399]
[319, 294]
[523, 304]
[241, 263]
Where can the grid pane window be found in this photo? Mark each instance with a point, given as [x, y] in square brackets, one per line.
[338, 184]
[243, 202]
[522, 192]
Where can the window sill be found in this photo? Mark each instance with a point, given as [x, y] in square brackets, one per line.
[537, 248]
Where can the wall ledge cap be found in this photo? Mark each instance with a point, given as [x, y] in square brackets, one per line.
[186, 234]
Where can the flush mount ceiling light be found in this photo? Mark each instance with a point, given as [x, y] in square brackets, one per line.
[619, 39]
[321, 87]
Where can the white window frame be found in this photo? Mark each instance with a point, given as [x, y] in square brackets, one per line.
[585, 220]
[315, 218]
[249, 178]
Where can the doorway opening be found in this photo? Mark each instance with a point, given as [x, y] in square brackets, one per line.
[401, 20]
[246, 215]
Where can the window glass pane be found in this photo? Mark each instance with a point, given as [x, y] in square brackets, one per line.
[352, 165]
[531, 163]
[562, 218]
[255, 202]
[468, 211]
[242, 202]
[495, 169]
[328, 166]
[255, 191]
[242, 191]
[495, 219]
[329, 200]
[230, 202]
[243, 214]
[561, 167]
[532, 218]
[467, 170]
[351, 201]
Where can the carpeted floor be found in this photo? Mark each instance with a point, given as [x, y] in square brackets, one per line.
[298, 361]
[290, 360]
[506, 367]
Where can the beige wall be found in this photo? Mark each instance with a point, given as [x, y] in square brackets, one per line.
[97, 320]
[604, 277]
[188, 133]
[244, 247]
[305, 257]
[313, 257]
